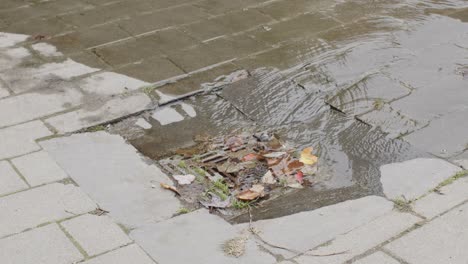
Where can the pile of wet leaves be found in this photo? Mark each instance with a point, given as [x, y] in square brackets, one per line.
[237, 171]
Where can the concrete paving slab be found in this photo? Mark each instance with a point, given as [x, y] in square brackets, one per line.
[462, 162]
[391, 121]
[113, 11]
[322, 224]
[46, 26]
[109, 83]
[445, 136]
[20, 139]
[361, 239]
[3, 90]
[116, 177]
[27, 107]
[443, 240]
[46, 50]
[227, 24]
[197, 81]
[39, 168]
[377, 257]
[297, 27]
[33, 207]
[43, 245]
[444, 199]
[96, 234]
[11, 181]
[197, 238]
[217, 7]
[162, 19]
[42, 77]
[413, 178]
[14, 56]
[281, 10]
[10, 39]
[91, 115]
[372, 91]
[152, 70]
[129, 254]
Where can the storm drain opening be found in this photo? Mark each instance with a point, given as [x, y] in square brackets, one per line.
[230, 174]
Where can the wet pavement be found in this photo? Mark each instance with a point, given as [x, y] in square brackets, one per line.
[380, 88]
[376, 87]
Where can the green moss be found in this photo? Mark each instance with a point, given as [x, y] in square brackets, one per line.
[220, 185]
[199, 171]
[402, 205]
[450, 180]
[96, 128]
[182, 164]
[183, 210]
[148, 90]
[220, 189]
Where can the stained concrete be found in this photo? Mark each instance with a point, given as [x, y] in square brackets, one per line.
[413, 178]
[197, 237]
[115, 176]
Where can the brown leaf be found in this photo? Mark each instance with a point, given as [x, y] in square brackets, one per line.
[169, 187]
[251, 157]
[294, 165]
[248, 195]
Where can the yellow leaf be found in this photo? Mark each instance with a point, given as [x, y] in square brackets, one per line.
[307, 157]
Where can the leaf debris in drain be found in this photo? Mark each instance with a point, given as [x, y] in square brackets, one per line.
[239, 170]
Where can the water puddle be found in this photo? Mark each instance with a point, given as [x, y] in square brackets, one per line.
[366, 69]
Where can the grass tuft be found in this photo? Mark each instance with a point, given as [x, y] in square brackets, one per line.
[402, 205]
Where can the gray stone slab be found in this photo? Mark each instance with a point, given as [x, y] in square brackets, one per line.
[10, 181]
[413, 178]
[391, 121]
[462, 162]
[20, 139]
[96, 234]
[39, 168]
[306, 230]
[369, 93]
[129, 254]
[3, 91]
[442, 240]
[41, 205]
[115, 176]
[46, 50]
[195, 238]
[109, 83]
[377, 258]
[10, 39]
[43, 245]
[97, 112]
[447, 197]
[44, 76]
[26, 107]
[361, 239]
[445, 136]
[12, 57]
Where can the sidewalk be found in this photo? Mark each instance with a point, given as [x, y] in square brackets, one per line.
[54, 186]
